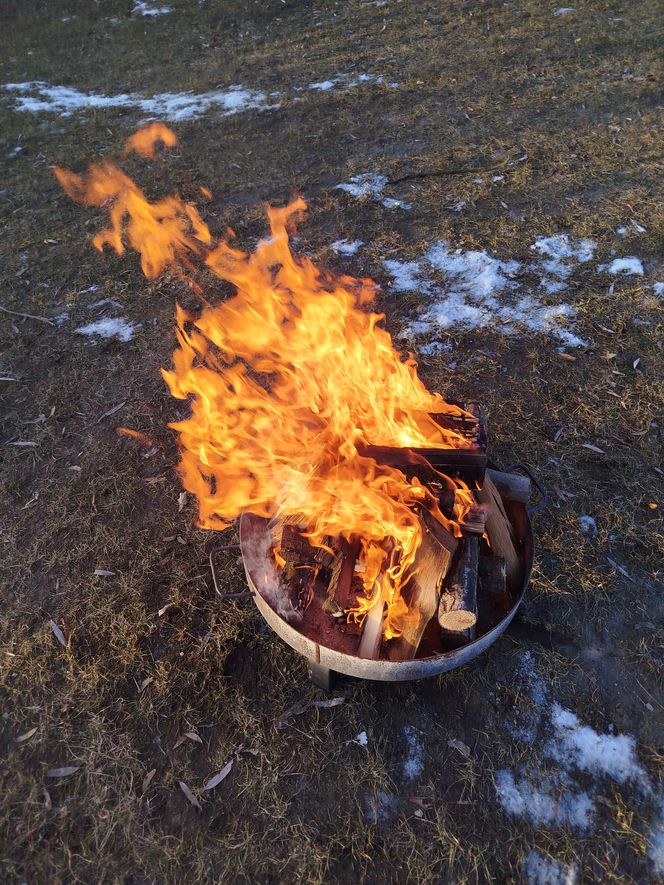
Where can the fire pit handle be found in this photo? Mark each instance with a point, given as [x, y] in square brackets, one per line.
[544, 498]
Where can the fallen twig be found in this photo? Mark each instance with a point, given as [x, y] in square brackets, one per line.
[27, 316]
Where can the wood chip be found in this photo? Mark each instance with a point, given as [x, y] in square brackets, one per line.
[190, 796]
[57, 632]
[218, 777]
[22, 738]
[182, 501]
[147, 780]
[65, 771]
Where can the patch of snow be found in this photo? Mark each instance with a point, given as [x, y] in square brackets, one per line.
[539, 870]
[497, 178]
[15, 151]
[110, 327]
[588, 525]
[543, 800]
[523, 722]
[147, 9]
[469, 297]
[562, 246]
[656, 842]
[413, 764]
[60, 319]
[435, 347]
[628, 266]
[347, 247]
[580, 746]
[460, 206]
[362, 739]
[564, 10]
[624, 229]
[371, 185]
[347, 81]
[324, 86]
[658, 289]
[172, 106]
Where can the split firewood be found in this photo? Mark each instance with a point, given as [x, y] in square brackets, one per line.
[431, 565]
[512, 486]
[345, 568]
[500, 531]
[372, 632]
[457, 610]
[457, 638]
[492, 574]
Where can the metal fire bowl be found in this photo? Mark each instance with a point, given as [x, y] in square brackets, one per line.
[254, 534]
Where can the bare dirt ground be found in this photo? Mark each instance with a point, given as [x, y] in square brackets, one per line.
[497, 123]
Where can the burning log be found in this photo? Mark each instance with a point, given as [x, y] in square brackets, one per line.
[470, 464]
[432, 563]
[458, 602]
[372, 634]
[500, 531]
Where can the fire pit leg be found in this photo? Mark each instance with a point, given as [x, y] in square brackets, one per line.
[321, 676]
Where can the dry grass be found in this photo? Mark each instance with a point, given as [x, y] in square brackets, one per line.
[480, 83]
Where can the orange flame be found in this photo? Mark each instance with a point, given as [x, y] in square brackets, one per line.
[286, 380]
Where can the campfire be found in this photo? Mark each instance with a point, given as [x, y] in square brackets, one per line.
[374, 526]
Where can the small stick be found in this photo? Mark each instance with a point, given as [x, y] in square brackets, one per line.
[27, 316]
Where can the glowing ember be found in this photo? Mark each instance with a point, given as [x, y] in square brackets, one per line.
[287, 380]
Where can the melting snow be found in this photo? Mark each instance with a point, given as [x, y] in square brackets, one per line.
[362, 739]
[588, 525]
[564, 10]
[469, 296]
[148, 9]
[347, 247]
[580, 746]
[109, 327]
[37, 96]
[538, 870]
[624, 229]
[371, 185]
[656, 842]
[628, 266]
[413, 764]
[658, 289]
[543, 800]
[382, 807]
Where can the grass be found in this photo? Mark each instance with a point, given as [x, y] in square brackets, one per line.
[480, 83]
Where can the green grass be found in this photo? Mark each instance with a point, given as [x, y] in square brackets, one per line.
[480, 83]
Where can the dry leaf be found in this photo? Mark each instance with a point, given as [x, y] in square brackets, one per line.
[57, 632]
[112, 411]
[636, 362]
[145, 683]
[190, 796]
[165, 608]
[65, 771]
[103, 573]
[332, 702]
[182, 501]
[455, 744]
[147, 780]
[593, 448]
[218, 777]
[187, 736]
[295, 710]
[22, 738]
[568, 357]
[619, 568]
[47, 799]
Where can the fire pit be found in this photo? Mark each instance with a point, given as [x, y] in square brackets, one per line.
[330, 645]
[377, 539]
